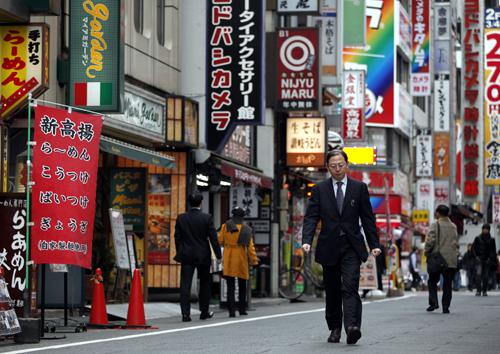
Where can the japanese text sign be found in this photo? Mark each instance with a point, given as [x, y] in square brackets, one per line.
[424, 156]
[377, 58]
[64, 172]
[128, 194]
[328, 48]
[353, 105]
[298, 69]
[96, 55]
[472, 98]
[234, 67]
[425, 195]
[492, 97]
[420, 66]
[495, 208]
[13, 245]
[442, 103]
[305, 141]
[297, 6]
[24, 52]
[441, 192]
[441, 155]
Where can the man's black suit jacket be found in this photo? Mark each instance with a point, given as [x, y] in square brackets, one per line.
[193, 231]
[323, 206]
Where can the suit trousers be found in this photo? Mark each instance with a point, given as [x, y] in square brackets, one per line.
[341, 287]
[448, 275]
[242, 294]
[482, 275]
[187, 271]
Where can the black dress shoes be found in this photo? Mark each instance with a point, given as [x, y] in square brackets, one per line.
[446, 310]
[186, 318]
[334, 336]
[353, 335]
[243, 313]
[206, 315]
[432, 308]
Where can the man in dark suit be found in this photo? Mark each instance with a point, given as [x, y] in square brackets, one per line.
[340, 203]
[193, 232]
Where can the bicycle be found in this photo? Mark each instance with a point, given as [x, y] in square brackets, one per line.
[292, 280]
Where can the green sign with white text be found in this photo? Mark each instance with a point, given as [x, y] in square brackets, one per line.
[96, 55]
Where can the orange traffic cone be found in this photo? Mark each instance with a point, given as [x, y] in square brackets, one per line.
[135, 314]
[98, 313]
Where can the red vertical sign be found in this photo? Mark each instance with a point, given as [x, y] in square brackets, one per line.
[65, 172]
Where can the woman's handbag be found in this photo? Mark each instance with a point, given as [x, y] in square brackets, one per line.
[435, 261]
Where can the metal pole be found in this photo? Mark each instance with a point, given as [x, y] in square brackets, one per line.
[42, 302]
[26, 293]
[66, 298]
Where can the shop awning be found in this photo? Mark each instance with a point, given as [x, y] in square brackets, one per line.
[244, 173]
[135, 152]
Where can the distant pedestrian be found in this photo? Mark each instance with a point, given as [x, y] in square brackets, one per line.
[468, 264]
[239, 254]
[484, 250]
[339, 203]
[416, 279]
[457, 281]
[194, 233]
[446, 232]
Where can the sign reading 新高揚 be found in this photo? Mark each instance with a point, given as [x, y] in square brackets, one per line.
[96, 55]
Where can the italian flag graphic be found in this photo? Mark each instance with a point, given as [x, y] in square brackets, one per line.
[93, 93]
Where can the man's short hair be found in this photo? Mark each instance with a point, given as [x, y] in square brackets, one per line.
[486, 226]
[195, 200]
[443, 210]
[336, 152]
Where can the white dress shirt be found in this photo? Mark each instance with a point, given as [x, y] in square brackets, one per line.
[335, 186]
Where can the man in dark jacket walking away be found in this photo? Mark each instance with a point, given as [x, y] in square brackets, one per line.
[193, 232]
[484, 250]
[446, 232]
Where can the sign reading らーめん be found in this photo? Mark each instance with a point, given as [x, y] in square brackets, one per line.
[96, 55]
[234, 67]
[24, 53]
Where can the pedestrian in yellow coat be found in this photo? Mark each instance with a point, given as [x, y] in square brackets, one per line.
[239, 253]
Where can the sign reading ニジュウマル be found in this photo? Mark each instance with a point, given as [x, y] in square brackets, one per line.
[24, 53]
[65, 164]
[96, 55]
[235, 30]
[298, 77]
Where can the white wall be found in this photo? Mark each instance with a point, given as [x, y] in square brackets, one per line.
[265, 144]
[145, 59]
[192, 29]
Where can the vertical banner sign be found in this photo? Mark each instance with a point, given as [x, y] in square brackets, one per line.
[472, 99]
[424, 156]
[24, 55]
[353, 105]
[425, 195]
[492, 97]
[377, 60]
[64, 172]
[13, 245]
[404, 39]
[442, 103]
[328, 47]
[234, 67]
[420, 63]
[298, 69]
[96, 55]
[305, 142]
[441, 192]
[355, 13]
[495, 208]
[296, 6]
[441, 155]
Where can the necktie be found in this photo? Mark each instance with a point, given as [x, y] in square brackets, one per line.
[340, 196]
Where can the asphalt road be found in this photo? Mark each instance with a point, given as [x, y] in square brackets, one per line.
[395, 325]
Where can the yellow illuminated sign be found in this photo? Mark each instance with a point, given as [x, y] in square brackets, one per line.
[361, 155]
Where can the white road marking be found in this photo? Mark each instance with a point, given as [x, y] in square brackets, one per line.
[226, 323]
